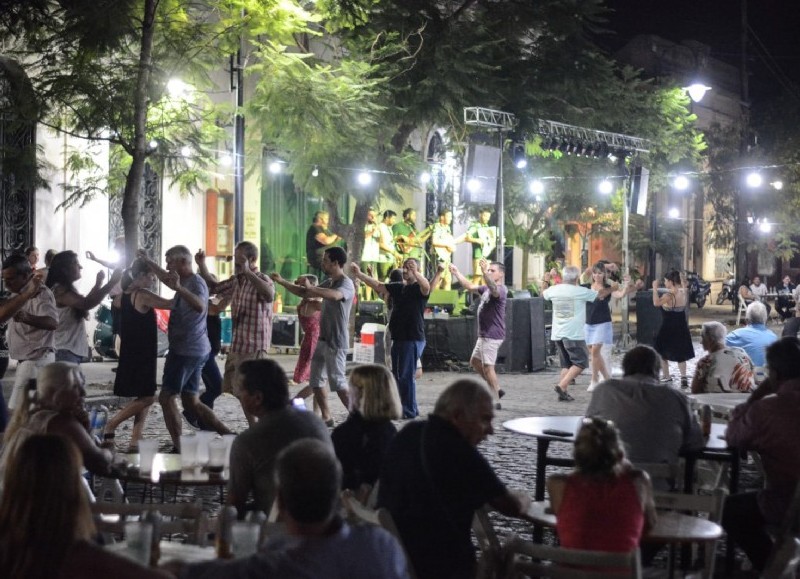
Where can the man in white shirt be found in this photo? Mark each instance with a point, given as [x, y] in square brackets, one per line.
[569, 316]
[371, 252]
[759, 290]
[387, 258]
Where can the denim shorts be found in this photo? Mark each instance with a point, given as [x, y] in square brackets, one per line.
[182, 374]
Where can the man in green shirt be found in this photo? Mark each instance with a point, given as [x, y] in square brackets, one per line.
[483, 238]
[409, 241]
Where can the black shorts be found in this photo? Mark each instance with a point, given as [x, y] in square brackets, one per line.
[572, 353]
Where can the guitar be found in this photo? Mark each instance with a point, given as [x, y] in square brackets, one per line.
[442, 236]
[488, 238]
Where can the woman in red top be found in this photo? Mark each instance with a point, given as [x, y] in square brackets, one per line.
[605, 504]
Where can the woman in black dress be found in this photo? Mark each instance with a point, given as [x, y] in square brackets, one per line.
[136, 373]
[673, 342]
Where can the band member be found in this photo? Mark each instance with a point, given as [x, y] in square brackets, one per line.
[445, 244]
[371, 252]
[318, 239]
[409, 241]
[491, 320]
[483, 238]
[388, 251]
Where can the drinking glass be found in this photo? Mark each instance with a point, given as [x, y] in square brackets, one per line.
[147, 453]
[188, 451]
[217, 453]
[138, 539]
[244, 538]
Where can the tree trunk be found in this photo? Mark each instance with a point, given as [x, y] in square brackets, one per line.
[133, 182]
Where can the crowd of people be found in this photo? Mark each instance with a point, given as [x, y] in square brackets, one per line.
[430, 474]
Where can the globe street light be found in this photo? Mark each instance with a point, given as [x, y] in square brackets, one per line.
[697, 91]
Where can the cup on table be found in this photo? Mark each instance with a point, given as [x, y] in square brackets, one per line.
[203, 438]
[188, 450]
[228, 438]
[138, 539]
[147, 453]
[217, 454]
[244, 538]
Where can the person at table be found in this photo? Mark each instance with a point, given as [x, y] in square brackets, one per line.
[755, 337]
[760, 292]
[318, 543]
[46, 527]
[744, 293]
[361, 441]
[569, 317]
[57, 408]
[434, 478]
[724, 368]
[785, 303]
[491, 321]
[406, 325]
[655, 421]
[767, 424]
[673, 341]
[604, 504]
[319, 239]
[188, 342]
[264, 390]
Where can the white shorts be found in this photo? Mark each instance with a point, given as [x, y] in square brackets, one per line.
[486, 350]
[598, 333]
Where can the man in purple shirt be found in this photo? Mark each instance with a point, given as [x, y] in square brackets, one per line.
[767, 423]
[491, 320]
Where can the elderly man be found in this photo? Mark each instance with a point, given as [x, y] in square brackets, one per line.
[251, 294]
[754, 338]
[656, 421]
[569, 316]
[264, 392]
[318, 543]
[767, 423]
[433, 479]
[31, 332]
[188, 342]
[759, 291]
[406, 325]
[337, 293]
[723, 369]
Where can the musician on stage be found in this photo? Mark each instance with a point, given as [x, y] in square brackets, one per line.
[319, 239]
[483, 238]
[491, 320]
[444, 244]
[371, 251]
[389, 256]
[409, 241]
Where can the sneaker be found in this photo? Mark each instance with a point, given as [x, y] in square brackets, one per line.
[684, 382]
[592, 386]
[192, 420]
[330, 423]
[666, 380]
[498, 406]
[501, 393]
[563, 395]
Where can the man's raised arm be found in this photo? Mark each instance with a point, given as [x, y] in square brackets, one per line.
[465, 283]
[378, 286]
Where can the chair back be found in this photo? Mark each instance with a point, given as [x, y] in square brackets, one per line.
[526, 559]
[741, 310]
[708, 505]
[491, 561]
[177, 519]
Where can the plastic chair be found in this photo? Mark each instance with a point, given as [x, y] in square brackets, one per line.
[492, 558]
[526, 559]
[741, 310]
[177, 518]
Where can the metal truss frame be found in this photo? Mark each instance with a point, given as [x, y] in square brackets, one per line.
[489, 118]
[616, 140]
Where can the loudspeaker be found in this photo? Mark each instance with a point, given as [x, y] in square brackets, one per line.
[508, 261]
[539, 337]
[370, 308]
[450, 339]
[641, 178]
[285, 331]
[515, 352]
[362, 319]
[480, 174]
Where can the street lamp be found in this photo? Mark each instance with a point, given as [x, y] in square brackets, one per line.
[697, 91]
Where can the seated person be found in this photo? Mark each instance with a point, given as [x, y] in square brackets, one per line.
[759, 292]
[604, 504]
[655, 421]
[786, 303]
[744, 292]
[434, 478]
[361, 441]
[58, 409]
[319, 544]
[263, 389]
[46, 526]
[723, 369]
[791, 328]
[754, 338]
[767, 424]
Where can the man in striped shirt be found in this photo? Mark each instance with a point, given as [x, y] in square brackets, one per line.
[251, 294]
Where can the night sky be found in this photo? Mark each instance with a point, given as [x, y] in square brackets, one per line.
[776, 23]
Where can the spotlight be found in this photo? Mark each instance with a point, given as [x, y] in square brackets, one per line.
[518, 152]
[754, 180]
[778, 185]
[563, 146]
[315, 171]
[765, 226]
[674, 213]
[605, 187]
[473, 185]
[550, 144]
[364, 178]
[275, 167]
[536, 187]
[600, 150]
[425, 178]
[681, 183]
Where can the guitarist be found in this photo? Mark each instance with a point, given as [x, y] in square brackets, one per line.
[444, 244]
[410, 241]
[483, 238]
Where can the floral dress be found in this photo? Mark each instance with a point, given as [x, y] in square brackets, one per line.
[309, 321]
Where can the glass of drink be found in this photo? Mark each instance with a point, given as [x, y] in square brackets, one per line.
[138, 539]
[244, 538]
[188, 451]
[147, 453]
[217, 453]
[228, 438]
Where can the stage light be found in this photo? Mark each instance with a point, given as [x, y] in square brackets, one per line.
[364, 178]
[605, 187]
[520, 160]
[315, 171]
[536, 187]
[473, 185]
[754, 180]
[563, 146]
[275, 167]
[778, 185]
[425, 178]
[765, 226]
[681, 183]
[674, 213]
[601, 150]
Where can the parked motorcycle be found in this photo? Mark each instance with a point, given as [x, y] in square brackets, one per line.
[698, 288]
[728, 291]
